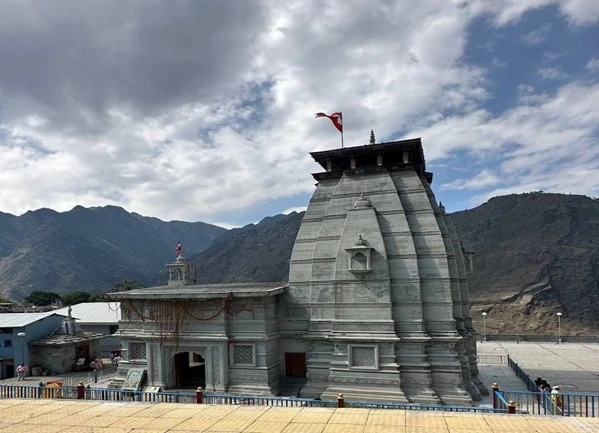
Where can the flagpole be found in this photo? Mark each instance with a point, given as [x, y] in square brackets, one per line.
[342, 126]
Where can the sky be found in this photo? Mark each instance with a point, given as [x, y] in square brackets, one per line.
[204, 110]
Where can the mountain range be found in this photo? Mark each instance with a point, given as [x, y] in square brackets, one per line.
[536, 254]
[89, 248]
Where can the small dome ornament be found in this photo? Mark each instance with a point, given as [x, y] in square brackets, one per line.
[362, 202]
[361, 242]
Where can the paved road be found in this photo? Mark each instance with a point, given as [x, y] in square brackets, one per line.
[575, 367]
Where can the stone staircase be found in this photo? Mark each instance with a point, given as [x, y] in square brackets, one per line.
[121, 372]
[292, 386]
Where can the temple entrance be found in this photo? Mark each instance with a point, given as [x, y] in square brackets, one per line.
[295, 364]
[190, 370]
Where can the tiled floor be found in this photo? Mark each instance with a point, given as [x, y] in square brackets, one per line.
[575, 367]
[72, 416]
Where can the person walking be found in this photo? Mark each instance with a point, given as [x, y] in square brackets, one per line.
[556, 399]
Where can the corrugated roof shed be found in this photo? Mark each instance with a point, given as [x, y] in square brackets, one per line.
[16, 320]
[95, 312]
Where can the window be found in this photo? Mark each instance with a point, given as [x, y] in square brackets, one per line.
[7, 343]
[359, 261]
[359, 257]
[243, 354]
[363, 357]
[137, 351]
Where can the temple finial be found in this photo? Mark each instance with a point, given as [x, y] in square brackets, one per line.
[372, 141]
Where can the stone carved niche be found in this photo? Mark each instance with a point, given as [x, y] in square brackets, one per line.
[359, 257]
[363, 357]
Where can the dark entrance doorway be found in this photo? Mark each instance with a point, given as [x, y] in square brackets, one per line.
[295, 364]
[190, 370]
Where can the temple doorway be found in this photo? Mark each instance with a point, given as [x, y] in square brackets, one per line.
[190, 370]
[295, 364]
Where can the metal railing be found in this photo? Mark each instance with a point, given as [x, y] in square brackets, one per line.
[424, 407]
[493, 359]
[525, 338]
[266, 401]
[545, 403]
[103, 394]
[522, 375]
[499, 402]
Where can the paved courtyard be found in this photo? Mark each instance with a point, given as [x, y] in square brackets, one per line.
[72, 416]
[575, 367]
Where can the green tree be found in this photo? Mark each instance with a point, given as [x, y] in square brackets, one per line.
[125, 286]
[41, 299]
[77, 297]
[98, 297]
[5, 300]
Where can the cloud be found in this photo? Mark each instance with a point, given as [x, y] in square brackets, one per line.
[548, 144]
[593, 64]
[195, 110]
[480, 180]
[552, 73]
[577, 12]
[536, 36]
[297, 209]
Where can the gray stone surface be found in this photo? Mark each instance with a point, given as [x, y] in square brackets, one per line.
[376, 307]
[575, 367]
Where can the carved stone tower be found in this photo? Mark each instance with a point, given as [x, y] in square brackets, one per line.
[181, 273]
[378, 293]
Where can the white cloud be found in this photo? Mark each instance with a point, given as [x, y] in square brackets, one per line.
[483, 179]
[297, 209]
[552, 73]
[549, 144]
[201, 109]
[593, 64]
[578, 12]
[538, 35]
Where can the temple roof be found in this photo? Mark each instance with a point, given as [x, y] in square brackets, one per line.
[67, 339]
[205, 291]
[391, 152]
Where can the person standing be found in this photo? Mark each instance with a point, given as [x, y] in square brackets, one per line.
[21, 372]
[556, 399]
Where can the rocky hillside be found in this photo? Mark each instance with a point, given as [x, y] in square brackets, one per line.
[256, 252]
[536, 254]
[89, 248]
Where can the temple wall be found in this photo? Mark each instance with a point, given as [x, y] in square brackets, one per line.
[402, 311]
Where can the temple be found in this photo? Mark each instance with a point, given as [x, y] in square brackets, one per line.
[376, 306]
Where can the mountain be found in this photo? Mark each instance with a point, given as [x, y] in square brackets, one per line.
[89, 248]
[536, 254]
[256, 252]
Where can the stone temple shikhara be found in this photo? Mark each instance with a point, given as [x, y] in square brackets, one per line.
[376, 306]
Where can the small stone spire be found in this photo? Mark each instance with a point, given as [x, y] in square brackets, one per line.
[360, 242]
[372, 140]
[362, 202]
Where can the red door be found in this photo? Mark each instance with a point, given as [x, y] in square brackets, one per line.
[295, 364]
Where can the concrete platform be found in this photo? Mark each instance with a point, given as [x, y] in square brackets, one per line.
[72, 416]
[575, 367]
